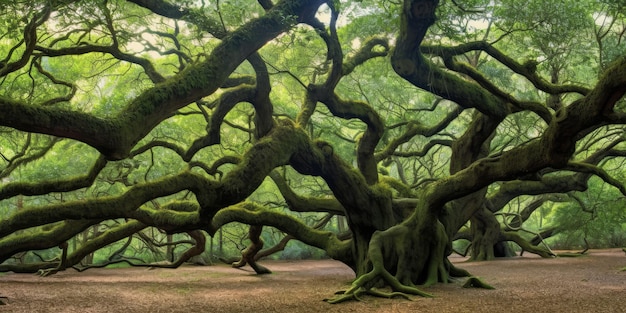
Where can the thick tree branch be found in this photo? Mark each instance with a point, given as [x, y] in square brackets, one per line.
[298, 203]
[114, 137]
[410, 64]
[553, 149]
[46, 237]
[415, 128]
[40, 188]
[253, 214]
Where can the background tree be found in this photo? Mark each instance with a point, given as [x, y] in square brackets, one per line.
[131, 125]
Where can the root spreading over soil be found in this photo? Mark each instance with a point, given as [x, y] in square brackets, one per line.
[592, 283]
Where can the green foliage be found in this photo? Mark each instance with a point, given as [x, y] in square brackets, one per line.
[601, 221]
[133, 51]
[296, 250]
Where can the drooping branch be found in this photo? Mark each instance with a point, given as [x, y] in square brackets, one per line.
[515, 222]
[369, 140]
[253, 214]
[599, 172]
[47, 237]
[197, 247]
[526, 246]
[104, 239]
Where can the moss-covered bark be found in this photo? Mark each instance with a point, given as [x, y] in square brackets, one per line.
[248, 255]
[397, 243]
[115, 137]
[487, 238]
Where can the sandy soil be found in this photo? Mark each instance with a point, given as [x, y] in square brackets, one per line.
[593, 283]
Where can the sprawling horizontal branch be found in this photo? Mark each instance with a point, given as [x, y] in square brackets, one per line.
[268, 153]
[252, 214]
[550, 184]
[44, 238]
[114, 137]
[125, 205]
[298, 203]
[526, 70]
[553, 149]
[40, 188]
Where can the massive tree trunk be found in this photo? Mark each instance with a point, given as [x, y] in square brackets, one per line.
[487, 239]
[397, 248]
[414, 251]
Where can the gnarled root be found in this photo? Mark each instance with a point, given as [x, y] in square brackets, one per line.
[363, 284]
[475, 282]
[359, 288]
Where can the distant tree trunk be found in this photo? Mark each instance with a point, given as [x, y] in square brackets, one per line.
[169, 253]
[211, 247]
[341, 223]
[221, 242]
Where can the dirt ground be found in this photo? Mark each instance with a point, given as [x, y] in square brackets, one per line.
[593, 283]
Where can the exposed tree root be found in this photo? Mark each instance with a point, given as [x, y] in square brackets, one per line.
[363, 284]
[527, 246]
[62, 263]
[248, 254]
[570, 254]
[47, 272]
[356, 295]
[475, 282]
[360, 287]
[456, 271]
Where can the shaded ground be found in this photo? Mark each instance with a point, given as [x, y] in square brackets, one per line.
[592, 283]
